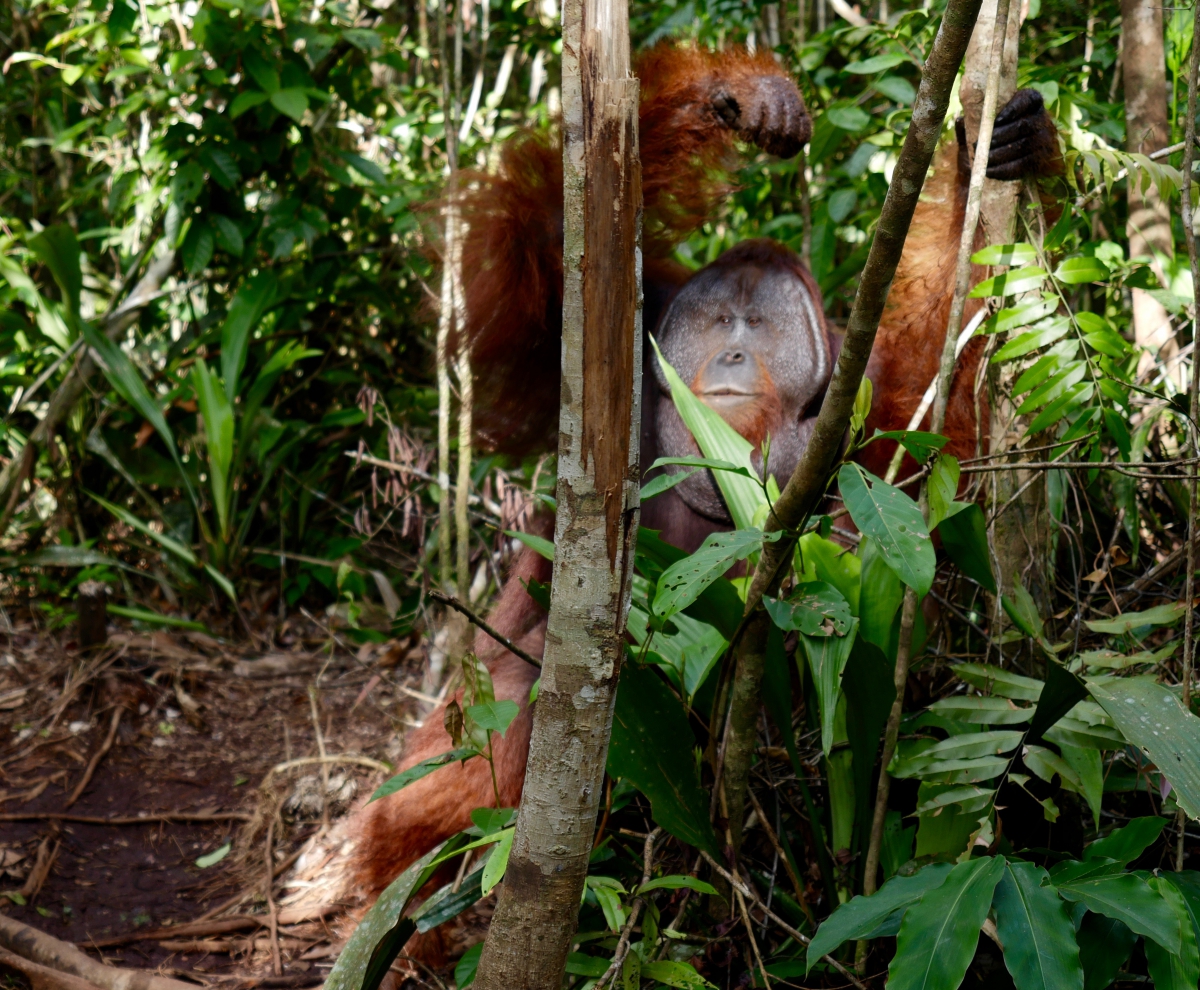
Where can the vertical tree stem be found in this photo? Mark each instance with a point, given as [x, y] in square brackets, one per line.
[962, 286]
[1189, 233]
[446, 308]
[596, 521]
[808, 482]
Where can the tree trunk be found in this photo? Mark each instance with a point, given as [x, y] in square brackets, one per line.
[1147, 129]
[596, 526]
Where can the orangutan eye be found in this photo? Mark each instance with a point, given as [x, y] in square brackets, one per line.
[725, 319]
[755, 321]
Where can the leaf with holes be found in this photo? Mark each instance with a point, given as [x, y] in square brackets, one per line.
[827, 658]
[682, 582]
[894, 522]
[813, 608]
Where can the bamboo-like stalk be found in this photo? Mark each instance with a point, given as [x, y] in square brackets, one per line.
[1189, 234]
[941, 398]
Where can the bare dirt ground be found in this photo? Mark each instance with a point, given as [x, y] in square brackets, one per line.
[197, 727]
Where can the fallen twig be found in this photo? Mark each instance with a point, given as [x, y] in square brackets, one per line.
[46, 855]
[165, 817]
[193, 928]
[500, 638]
[803, 939]
[272, 912]
[97, 756]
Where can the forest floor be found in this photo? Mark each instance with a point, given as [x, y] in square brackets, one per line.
[196, 732]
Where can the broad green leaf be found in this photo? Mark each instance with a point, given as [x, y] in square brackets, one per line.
[1054, 388]
[719, 605]
[964, 538]
[1151, 717]
[580, 965]
[877, 63]
[246, 309]
[966, 797]
[675, 882]
[719, 440]
[682, 582]
[1063, 691]
[1129, 899]
[983, 711]
[813, 608]
[197, 248]
[1045, 763]
[651, 747]
[610, 904]
[663, 483]
[218, 438]
[1089, 768]
[998, 681]
[291, 102]
[1075, 397]
[493, 869]
[1076, 271]
[674, 974]
[540, 544]
[827, 657]
[894, 522]
[229, 235]
[1036, 931]
[876, 916]
[1005, 254]
[1108, 342]
[1104, 946]
[495, 716]
[881, 596]
[819, 559]
[1111, 660]
[58, 249]
[1079, 734]
[1160, 615]
[939, 932]
[381, 934]
[1023, 610]
[466, 968]
[1022, 315]
[1174, 970]
[1010, 283]
[1124, 845]
[419, 770]
[848, 118]
[246, 100]
[941, 488]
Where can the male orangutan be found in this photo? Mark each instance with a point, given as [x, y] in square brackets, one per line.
[747, 332]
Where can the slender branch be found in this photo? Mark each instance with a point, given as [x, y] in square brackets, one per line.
[634, 913]
[1189, 234]
[451, 602]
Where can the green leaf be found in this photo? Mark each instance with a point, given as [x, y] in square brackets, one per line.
[894, 522]
[717, 439]
[229, 235]
[877, 63]
[964, 538]
[682, 582]
[363, 39]
[495, 716]
[876, 916]
[1174, 970]
[1022, 315]
[246, 309]
[1045, 333]
[674, 974]
[610, 904]
[1124, 845]
[218, 438]
[931, 798]
[1126, 623]
[983, 711]
[1077, 396]
[813, 608]
[381, 934]
[580, 965]
[1045, 763]
[419, 770]
[1053, 389]
[917, 442]
[1036, 931]
[58, 249]
[497, 864]
[939, 932]
[1010, 283]
[246, 100]
[998, 681]
[1023, 610]
[1062, 692]
[675, 882]
[651, 747]
[466, 968]
[540, 544]
[1151, 717]
[1089, 769]
[847, 118]
[184, 553]
[1104, 946]
[260, 70]
[880, 598]
[941, 489]
[371, 172]
[895, 88]
[214, 857]
[1108, 342]
[60, 555]
[156, 619]
[827, 657]
[718, 605]
[1075, 271]
[1131, 900]
[197, 248]
[1005, 254]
